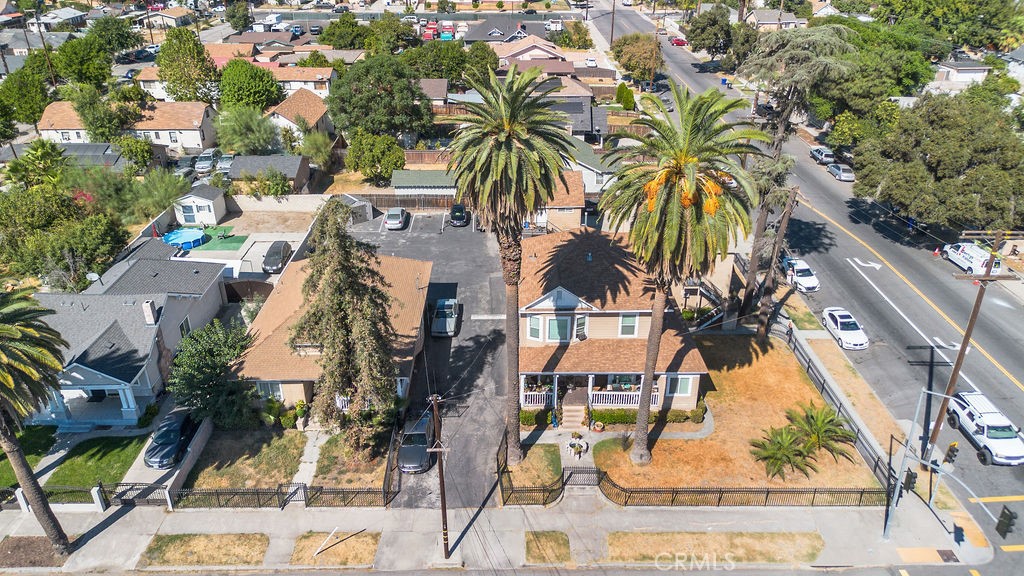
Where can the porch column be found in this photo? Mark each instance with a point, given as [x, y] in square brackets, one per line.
[129, 409]
[522, 389]
[590, 387]
[554, 399]
[58, 407]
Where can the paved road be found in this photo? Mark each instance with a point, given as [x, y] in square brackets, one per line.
[908, 300]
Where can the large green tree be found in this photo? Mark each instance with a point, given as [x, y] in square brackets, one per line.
[346, 315]
[186, 67]
[245, 84]
[42, 162]
[674, 188]
[83, 60]
[30, 359]
[437, 60]
[973, 22]
[388, 34]
[948, 160]
[62, 255]
[639, 55]
[711, 32]
[507, 159]
[137, 151]
[26, 93]
[238, 16]
[200, 375]
[104, 121]
[480, 60]
[113, 35]
[377, 157]
[345, 33]
[380, 95]
[246, 130]
[158, 191]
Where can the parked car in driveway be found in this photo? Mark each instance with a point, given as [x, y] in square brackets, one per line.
[841, 172]
[591, 62]
[679, 41]
[446, 318]
[224, 163]
[153, 49]
[823, 155]
[458, 216]
[844, 328]
[395, 218]
[277, 256]
[417, 438]
[316, 30]
[765, 110]
[170, 440]
[207, 160]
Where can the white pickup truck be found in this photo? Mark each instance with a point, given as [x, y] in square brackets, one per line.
[997, 440]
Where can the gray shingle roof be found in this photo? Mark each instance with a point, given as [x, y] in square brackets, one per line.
[287, 164]
[1017, 55]
[422, 179]
[164, 277]
[104, 332]
[15, 39]
[97, 154]
[584, 154]
[205, 191]
[503, 29]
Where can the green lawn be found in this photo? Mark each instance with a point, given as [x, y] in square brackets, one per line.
[229, 243]
[35, 442]
[105, 460]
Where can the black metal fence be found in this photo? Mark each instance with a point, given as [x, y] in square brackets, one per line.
[631, 496]
[228, 497]
[133, 494]
[68, 494]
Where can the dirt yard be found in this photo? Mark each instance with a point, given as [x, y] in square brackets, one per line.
[205, 550]
[791, 548]
[341, 549]
[28, 552]
[752, 387]
[260, 458]
[540, 467]
[255, 222]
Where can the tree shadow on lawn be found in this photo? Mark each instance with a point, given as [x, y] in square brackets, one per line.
[728, 352]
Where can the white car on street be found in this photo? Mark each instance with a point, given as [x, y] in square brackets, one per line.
[803, 278]
[844, 328]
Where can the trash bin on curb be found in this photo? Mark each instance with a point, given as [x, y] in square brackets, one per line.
[725, 81]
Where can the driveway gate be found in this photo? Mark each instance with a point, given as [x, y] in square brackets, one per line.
[132, 494]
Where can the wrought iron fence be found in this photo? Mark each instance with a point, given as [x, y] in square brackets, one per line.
[740, 496]
[68, 494]
[522, 495]
[134, 494]
[227, 498]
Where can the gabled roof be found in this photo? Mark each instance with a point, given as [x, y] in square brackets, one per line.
[172, 116]
[1016, 55]
[287, 164]
[60, 116]
[548, 66]
[176, 12]
[16, 39]
[526, 44]
[229, 50]
[585, 155]
[569, 194]
[270, 357]
[434, 88]
[772, 17]
[145, 276]
[148, 74]
[503, 29]
[301, 74]
[301, 103]
[204, 191]
[964, 65]
[595, 266]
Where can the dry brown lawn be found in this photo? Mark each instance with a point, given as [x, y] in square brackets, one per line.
[349, 183]
[28, 552]
[540, 467]
[548, 547]
[752, 389]
[340, 467]
[253, 222]
[342, 549]
[205, 550]
[747, 547]
[260, 458]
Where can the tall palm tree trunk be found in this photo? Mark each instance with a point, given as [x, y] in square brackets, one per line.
[641, 452]
[510, 250]
[33, 492]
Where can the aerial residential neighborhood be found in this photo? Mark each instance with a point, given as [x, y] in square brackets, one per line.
[511, 287]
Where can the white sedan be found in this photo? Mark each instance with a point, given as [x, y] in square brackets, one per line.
[395, 218]
[844, 328]
[803, 278]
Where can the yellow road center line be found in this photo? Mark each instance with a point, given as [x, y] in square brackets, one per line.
[1013, 548]
[911, 285]
[998, 499]
[904, 573]
[974, 573]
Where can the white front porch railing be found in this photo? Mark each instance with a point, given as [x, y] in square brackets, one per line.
[538, 399]
[601, 398]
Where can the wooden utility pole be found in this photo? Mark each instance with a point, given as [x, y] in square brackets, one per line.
[997, 237]
[439, 449]
[46, 51]
[612, 39]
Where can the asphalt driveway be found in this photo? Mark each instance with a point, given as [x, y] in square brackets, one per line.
[467, 370]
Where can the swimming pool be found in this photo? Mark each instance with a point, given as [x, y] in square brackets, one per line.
[185, 238]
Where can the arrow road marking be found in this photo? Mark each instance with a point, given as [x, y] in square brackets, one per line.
[911, 324]
[868, 264]
[951, 346]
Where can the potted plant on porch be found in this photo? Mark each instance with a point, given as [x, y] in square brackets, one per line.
[301, 415]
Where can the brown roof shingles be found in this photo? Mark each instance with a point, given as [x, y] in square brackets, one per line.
[230, 50]
[60, 116]
[302, 103]
[172, 116]
[595, 266]
[570, 194]
[301, 74]
[271, 359]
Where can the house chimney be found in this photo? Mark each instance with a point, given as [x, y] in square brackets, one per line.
[149, 312]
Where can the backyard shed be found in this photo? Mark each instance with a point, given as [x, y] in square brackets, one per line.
[203, 205]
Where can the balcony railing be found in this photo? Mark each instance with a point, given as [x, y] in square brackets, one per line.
[538, 399]
[601, 398]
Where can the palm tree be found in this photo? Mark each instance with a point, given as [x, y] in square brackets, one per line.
[507, 159]
[686, 198]
[822, 429]
[42, 162]
[30, 358]
[783, 448]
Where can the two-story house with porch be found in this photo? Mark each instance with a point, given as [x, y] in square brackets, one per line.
[584, 323]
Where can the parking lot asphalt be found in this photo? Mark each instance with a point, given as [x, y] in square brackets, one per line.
[467, 370]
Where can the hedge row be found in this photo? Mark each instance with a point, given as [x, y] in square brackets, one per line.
[617, 415]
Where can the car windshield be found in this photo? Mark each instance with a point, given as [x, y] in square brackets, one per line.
[848, 325]
[804, 272]
[418, 439]
[166, 436]
[446, 312]
[458, 212]
[1001, 432]
[205, 158]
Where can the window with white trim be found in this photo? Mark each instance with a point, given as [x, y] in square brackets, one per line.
[185, 327]
[679, 385]
[267, 390]
[558, 328]
[581, 327]
[533, 327]
[174, 137]
[627, 325]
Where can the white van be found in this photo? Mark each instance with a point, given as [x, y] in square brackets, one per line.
[970, 257]
[553, 25]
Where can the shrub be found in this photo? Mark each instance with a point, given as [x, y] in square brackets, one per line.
[271, 411]
[288, 419]
[697, 414]
[535, 417]
[300, 409]
[147, 417]
[426, 5]
[628, 415]
[525, 5]
[547, 5]
[476, 4]
[500, 5]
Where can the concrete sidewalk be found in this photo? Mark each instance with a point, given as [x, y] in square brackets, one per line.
[494, 538]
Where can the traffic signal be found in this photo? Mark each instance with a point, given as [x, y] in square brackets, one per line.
[951, 453]
[1007, 518]
[910, 481]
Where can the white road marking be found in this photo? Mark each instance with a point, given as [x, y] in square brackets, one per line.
[999, 302]
[963, 376]
[380, 229]
[487, 317]
[868, 264]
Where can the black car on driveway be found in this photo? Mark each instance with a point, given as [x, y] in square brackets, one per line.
[458, 216]
[170, 440]
[277, 256]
